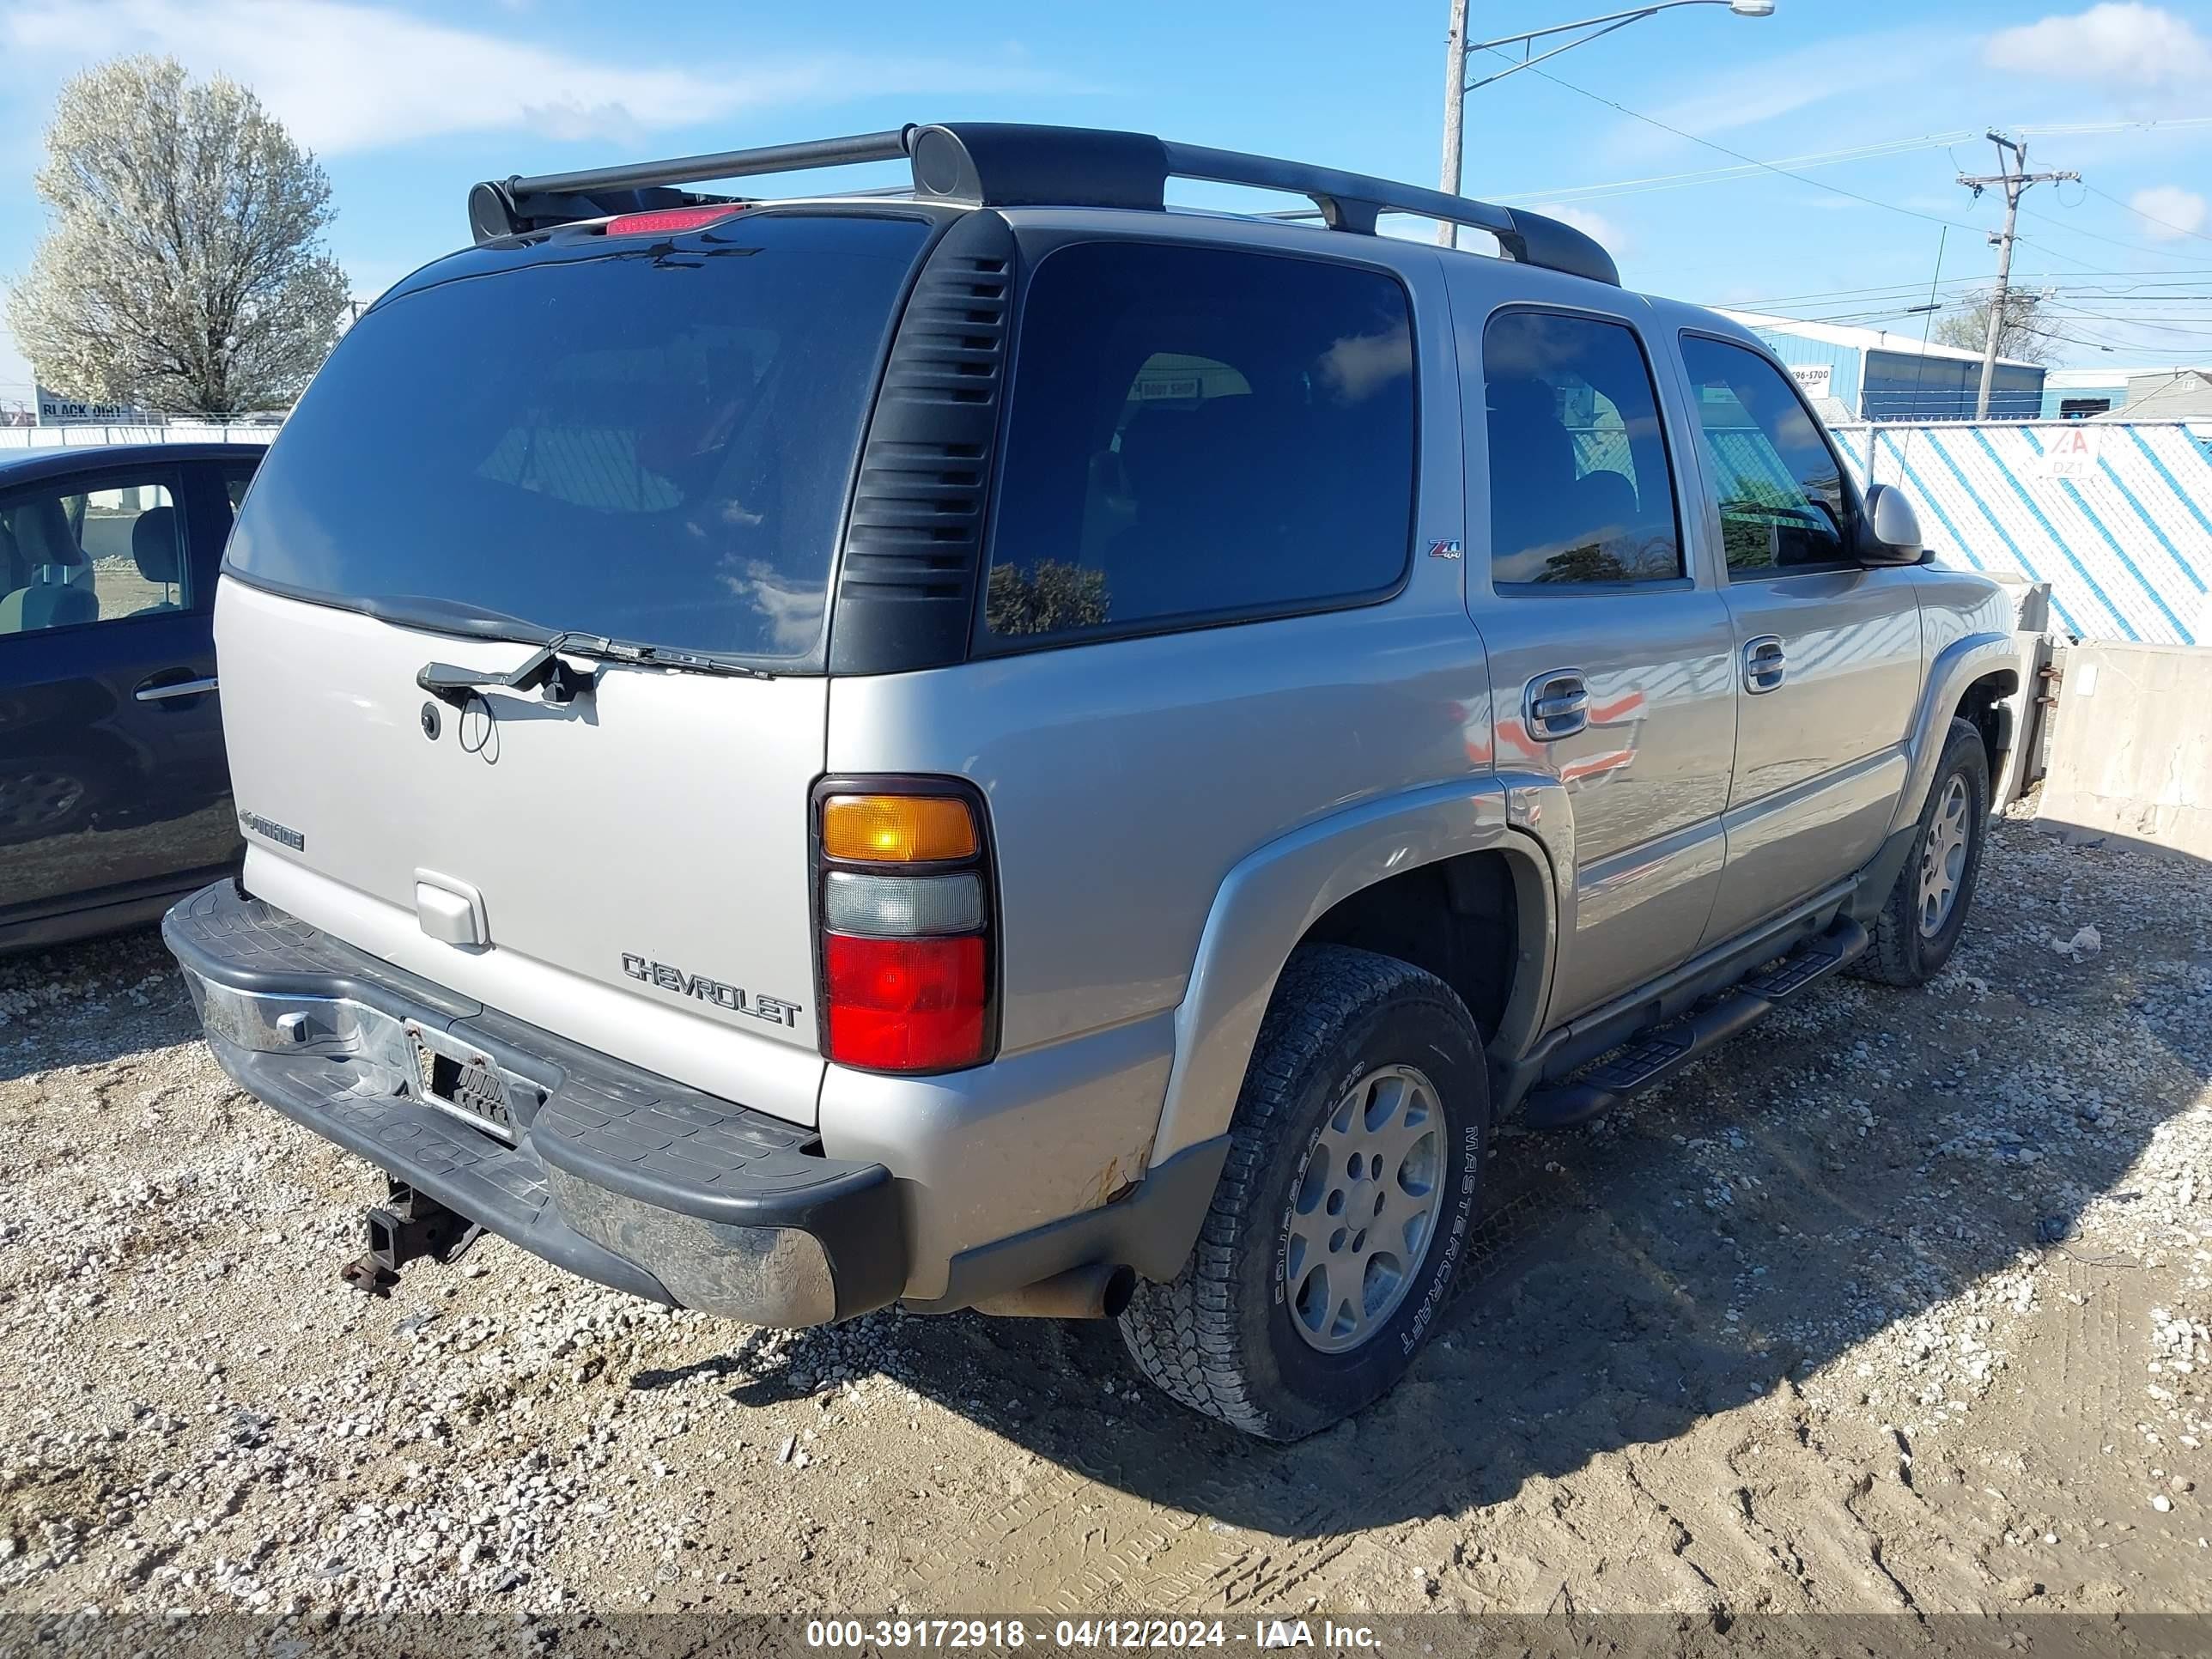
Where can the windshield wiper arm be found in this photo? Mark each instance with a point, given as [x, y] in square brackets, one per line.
[561, 683]
[450, 683]
[662, 656]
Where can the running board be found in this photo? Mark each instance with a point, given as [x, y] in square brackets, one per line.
[1651, 1058]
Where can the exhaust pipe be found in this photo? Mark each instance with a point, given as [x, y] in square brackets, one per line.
[1100, 1291]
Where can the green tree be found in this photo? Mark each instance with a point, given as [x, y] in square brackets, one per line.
[1057, 596]
[2025, 336]
[183, 268]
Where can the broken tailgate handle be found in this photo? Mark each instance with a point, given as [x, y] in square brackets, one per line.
[561, 682]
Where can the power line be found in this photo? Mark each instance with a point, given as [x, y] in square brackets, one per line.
[1718, 175]
[2132, 322]
[1769, 166]
[2098, 236]
[2154, 279]
[2083, 127]
[2153, 217]
[1749, 160]
[1879, 149]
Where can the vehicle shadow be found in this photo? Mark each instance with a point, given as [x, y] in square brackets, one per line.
[1846, 1166]
[90, 1002]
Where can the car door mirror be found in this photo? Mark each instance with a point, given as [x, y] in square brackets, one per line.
[1889, 530]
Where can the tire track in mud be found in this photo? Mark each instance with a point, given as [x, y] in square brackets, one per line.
[1072, 1544]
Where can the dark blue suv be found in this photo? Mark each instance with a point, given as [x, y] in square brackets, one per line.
[115, 795]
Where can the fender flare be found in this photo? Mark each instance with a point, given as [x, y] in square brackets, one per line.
[1270, 899]
[1957, 666]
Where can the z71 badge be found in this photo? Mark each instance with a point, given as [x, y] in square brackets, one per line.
[775, 1009]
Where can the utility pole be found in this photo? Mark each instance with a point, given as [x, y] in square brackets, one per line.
[2011, 156]
[1455, 111]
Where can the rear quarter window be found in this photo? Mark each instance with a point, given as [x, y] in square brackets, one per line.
[1200, 435]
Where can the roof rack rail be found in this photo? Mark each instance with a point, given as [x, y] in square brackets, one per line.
[1001, 164]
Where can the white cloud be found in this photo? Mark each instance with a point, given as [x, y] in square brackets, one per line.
[1848, 76]
[346, 76]
[1605, 232]
[1770, 87]
[2178, 212]
[2135, 51]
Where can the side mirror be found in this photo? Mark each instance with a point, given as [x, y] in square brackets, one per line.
[1889, 530]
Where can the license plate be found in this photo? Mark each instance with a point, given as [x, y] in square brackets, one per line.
[467, 1085]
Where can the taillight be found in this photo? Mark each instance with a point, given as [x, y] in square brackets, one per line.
[905, 1005]
[904, 901]
[666, 220]
[897, 829]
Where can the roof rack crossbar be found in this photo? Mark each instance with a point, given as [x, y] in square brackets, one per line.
[994, 164]
[888, 146]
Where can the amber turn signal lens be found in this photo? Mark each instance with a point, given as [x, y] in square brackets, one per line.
[897, 829]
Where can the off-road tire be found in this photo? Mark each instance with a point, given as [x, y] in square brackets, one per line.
[1900, 955]
[1219, 1337]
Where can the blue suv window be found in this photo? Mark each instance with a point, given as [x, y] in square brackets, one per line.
[1200, 435]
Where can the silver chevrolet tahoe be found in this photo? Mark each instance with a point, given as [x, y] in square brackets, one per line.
[997, 744]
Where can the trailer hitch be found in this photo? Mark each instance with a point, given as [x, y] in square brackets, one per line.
[407, 1225]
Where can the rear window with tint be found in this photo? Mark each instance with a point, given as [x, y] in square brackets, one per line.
[1200, 435]
[640, 436]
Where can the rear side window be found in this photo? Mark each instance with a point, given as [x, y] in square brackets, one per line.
[1199, 433]
[648, 437]
[1579, 485]
[69, 555]
[1781, 488]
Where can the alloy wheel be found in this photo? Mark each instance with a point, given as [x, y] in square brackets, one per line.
[1943, 857]
[1365, 1210]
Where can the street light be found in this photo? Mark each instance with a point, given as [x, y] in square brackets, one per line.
[1456, 86]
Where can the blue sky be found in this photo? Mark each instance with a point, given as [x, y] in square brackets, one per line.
[1874, 104]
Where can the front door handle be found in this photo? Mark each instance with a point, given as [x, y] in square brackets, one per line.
[161, 690]
[1555, 705]
[1765, 667]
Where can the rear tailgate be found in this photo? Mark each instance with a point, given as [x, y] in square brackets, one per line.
[642, 439]
[641, 855]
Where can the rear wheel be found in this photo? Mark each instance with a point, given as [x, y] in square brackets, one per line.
[43, 798]
[1354, 1175]
[1918, 927]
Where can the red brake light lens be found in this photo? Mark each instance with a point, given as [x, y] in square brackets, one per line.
[665, 221]
[905, 1005]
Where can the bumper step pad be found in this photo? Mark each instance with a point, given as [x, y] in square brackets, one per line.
[623, 1177]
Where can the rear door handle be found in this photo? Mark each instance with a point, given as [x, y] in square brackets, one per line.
[1765, 666]
[1555, 705]
[161, 690]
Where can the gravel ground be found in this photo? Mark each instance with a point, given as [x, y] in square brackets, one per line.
[1898, 1304]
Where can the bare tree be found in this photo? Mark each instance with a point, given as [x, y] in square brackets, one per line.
[183, 268]
[2024, 337]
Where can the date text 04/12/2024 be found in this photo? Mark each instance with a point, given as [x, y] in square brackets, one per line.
[1080, 1633]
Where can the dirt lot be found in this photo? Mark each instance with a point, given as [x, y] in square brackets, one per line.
[1899, 1304]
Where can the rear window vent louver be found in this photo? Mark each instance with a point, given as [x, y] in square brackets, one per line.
[915, 538]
